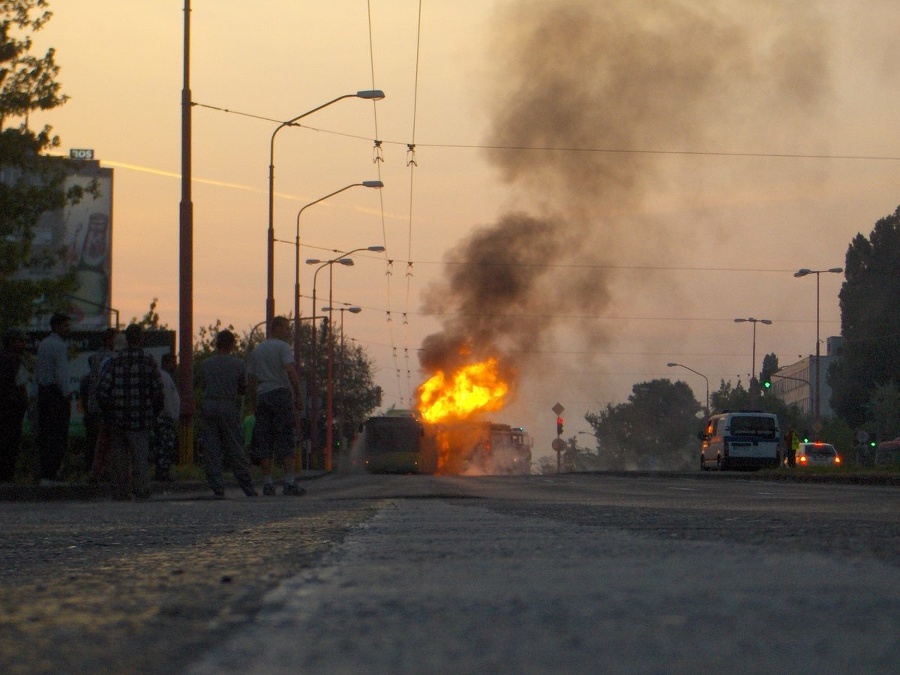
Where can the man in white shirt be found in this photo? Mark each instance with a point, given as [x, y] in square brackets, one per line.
[51, 373]
[275, 394]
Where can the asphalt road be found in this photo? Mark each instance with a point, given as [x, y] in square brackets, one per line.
[407, 574]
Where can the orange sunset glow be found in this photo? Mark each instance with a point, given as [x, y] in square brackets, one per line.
[472, 389]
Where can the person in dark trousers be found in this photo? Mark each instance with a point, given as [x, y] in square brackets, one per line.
[131, 394]
[13, 401]
[51, 372]
[89, 384]
[164, 440]
[223, 382]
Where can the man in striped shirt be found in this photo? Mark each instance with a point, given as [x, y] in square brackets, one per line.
[131, 394]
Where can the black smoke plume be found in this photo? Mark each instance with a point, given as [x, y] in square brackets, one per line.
[588, 102]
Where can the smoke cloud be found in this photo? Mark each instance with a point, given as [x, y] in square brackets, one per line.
[587, 103]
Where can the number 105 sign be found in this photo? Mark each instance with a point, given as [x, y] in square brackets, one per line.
[81, 153]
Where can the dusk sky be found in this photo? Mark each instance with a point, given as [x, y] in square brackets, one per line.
[678, 161]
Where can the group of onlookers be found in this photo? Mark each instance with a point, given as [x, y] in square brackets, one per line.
[131, 408]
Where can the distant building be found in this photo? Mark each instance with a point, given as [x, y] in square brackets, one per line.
[795, 384]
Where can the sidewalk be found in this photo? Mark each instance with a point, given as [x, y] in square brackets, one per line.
[14, 492]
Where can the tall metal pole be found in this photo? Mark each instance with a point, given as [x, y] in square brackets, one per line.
[186, 262]
[753, 355]
[314, 363]
[817, 390]
[342, 413]
[818, 353]
[344, 259]
[314, 374]
[329, 413]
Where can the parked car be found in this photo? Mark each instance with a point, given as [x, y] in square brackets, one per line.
[817, 454]
[888, 452]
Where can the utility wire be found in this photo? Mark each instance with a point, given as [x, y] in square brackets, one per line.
[546, 148]
[411, 163]
[378, 159]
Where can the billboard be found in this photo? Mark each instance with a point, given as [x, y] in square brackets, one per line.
[84, 232]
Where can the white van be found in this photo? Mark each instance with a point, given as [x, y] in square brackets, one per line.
[740, 440]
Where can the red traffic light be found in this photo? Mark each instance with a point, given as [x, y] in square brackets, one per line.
[559, 426]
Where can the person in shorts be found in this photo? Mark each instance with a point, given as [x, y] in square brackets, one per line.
[275, 395]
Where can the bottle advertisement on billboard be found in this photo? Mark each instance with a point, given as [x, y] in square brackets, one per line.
[83, 232]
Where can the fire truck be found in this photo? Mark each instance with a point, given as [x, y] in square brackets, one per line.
[503, 449]
[484, 448]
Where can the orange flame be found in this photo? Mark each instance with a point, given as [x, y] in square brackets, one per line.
[477, 387]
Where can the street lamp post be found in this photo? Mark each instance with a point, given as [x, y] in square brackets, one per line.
[314, 359]
[371, 95]
[754, 322]
[342, 402]
[706, 379]
[186, 261]
[817, 426]
[366, 183]
[342, 259]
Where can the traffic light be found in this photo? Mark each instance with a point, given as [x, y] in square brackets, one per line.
[767, 382]
[559, 426]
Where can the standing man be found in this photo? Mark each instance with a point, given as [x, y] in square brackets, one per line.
[275, 395]
[131, 395]
[51, 372]
[223, 382]
[89, 397]
[164, 440]
[795, 445]
[13, 401]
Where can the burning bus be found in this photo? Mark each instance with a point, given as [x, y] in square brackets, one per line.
[398, 443]
[454, 404]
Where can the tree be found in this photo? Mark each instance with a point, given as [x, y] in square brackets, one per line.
[575, 458]
[150, 320]
[31, 181]
[27, 82]
[356, 395]
[656, 428]
[730, 397]
[546, 466]
[870, 321]
[884, 411]
[769, 366]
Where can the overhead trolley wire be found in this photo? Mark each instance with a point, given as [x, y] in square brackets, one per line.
[548, 148]
[378, 158]
[412, 164]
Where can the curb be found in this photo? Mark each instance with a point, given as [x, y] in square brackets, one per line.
[87, 492]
